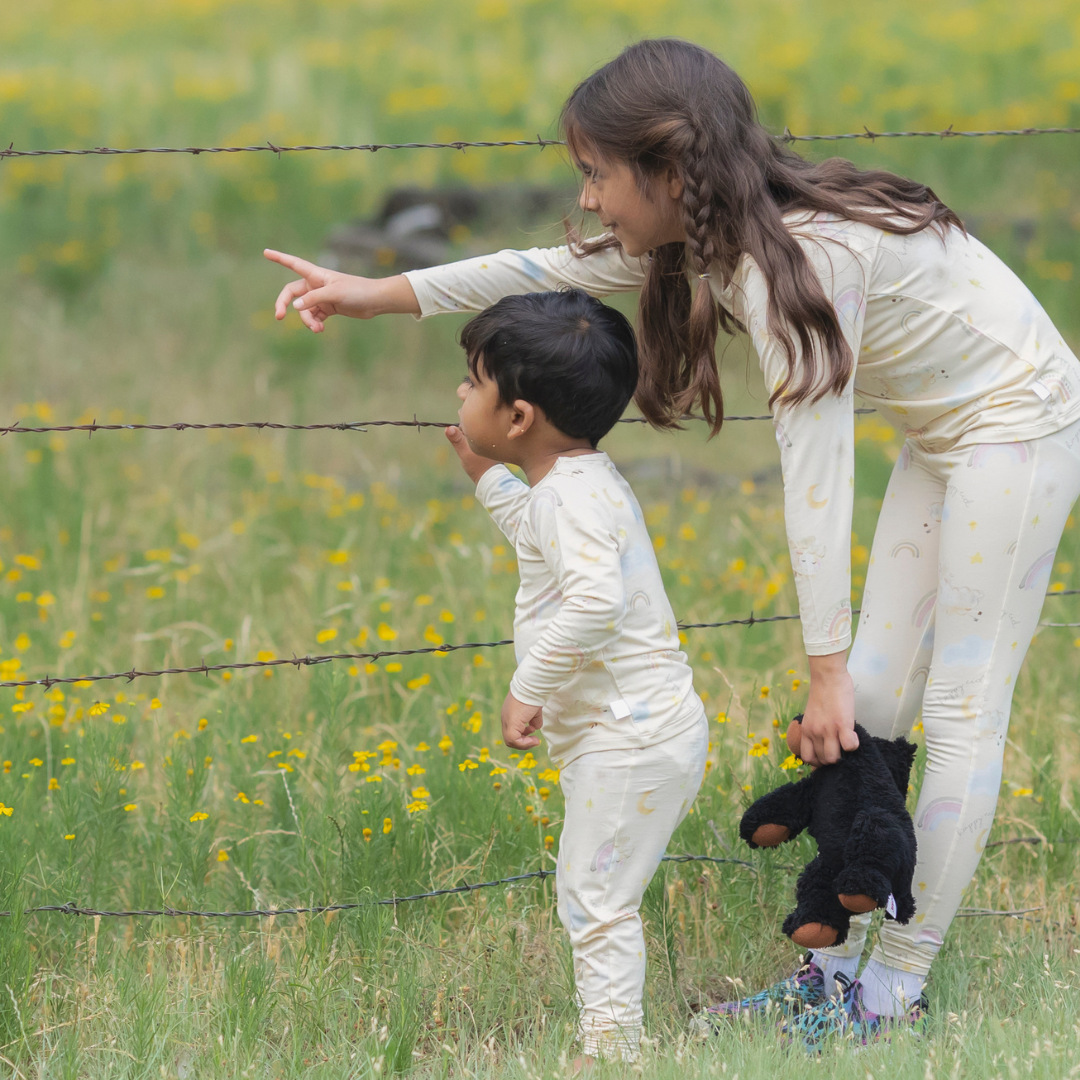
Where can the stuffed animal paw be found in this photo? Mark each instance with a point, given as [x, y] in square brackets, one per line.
[856, 811]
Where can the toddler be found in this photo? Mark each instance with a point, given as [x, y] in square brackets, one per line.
[599, 665]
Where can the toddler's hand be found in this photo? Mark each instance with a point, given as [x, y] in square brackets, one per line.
[519, 721]
[321, 293]
[474, 465]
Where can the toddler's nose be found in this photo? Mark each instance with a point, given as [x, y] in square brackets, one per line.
[462, 390]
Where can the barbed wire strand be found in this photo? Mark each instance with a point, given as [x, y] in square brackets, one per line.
[313, 661]
[72, 908]
[269, 425]
[787, 136]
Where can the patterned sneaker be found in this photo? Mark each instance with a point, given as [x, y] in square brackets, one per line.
[803, 990]
[846, 1017]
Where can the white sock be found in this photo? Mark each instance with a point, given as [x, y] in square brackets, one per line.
[888, 991]
[831, 966]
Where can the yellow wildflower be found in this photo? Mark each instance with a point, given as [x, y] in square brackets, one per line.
[222, 856]
[387, 825]
[199, 815]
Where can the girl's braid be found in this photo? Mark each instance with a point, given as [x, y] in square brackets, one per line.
[700, 381]
[697, 203]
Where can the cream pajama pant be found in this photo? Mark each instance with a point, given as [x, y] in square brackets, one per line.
[621, 808]
[961, 559]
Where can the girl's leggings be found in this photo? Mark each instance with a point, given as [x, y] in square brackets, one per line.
[959, 567]
[621, 808]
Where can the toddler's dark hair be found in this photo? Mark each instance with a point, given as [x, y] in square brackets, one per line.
[564, 352]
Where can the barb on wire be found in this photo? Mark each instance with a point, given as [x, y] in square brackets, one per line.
[465, 144]
[72, 908]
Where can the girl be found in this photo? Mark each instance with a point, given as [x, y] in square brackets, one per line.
[846, 281]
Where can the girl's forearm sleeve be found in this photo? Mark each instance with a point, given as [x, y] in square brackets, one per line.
[474, 284]
[505, 498]
[582, 553]
[817, 455]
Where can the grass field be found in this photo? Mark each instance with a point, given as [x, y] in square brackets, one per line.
[132, 289]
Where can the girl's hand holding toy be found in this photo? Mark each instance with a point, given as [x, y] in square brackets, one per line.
[828, 725]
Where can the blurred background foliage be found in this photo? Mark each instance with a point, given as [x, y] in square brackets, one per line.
[181, 72]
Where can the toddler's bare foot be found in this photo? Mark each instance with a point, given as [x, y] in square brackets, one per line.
[581, 1064]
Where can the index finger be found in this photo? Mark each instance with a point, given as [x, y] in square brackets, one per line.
[290, 262]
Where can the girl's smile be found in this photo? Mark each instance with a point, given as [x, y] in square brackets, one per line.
[642, 220]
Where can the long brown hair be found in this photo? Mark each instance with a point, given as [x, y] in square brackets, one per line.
[666, 104]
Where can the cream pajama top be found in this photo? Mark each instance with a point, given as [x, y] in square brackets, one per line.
[951, 347]
[596, 640]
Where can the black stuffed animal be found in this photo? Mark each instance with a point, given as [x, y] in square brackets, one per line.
[856, 811]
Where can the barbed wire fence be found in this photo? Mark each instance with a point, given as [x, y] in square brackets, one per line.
[787, 136]
[72, 908]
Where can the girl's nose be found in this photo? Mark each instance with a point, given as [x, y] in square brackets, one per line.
[588, 201]
[462, 390]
